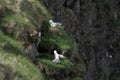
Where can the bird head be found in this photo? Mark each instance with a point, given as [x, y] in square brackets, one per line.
[50, 21]
[55, 51]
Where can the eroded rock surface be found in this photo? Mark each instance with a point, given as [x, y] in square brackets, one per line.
[94, 24]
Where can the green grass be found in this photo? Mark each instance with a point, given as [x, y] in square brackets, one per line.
[64, 63]
[17, 18]
[47, 58]
[63, 42]
[42, 9]
[31, 12]
[16, 46]
[76, 78]
[20, 65]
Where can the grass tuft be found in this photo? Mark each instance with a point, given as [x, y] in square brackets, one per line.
[46, 58]
[20, 65]
[15, 46]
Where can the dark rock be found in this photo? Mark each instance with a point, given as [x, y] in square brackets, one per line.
[94, 24]
[32, 45]
[31, 51]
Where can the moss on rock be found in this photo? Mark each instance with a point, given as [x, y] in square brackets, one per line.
[17, 68]
[16, 18]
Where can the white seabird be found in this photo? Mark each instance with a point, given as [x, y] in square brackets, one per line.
[54, 24]
[39, 34]
[57, 57]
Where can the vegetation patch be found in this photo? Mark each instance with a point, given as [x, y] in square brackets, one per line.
[31, 14]
[20, 65]
[14, 45]
[46, 58]
[57, 39]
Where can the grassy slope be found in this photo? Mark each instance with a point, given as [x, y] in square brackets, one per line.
[19, 17]
[61, 42]
[14, 45]
[22, 16]
[20, 65]
[64, 43]
[46, 58]
[30, 15]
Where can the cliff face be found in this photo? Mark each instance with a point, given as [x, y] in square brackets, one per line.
[25, 32]
[16, 19]
[95, 25]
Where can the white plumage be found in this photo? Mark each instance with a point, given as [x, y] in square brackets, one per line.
[39, 34]
[54, 24]
[57, 57]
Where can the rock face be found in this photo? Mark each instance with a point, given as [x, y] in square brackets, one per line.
[17, 17]
[23, 24]
[94, 24]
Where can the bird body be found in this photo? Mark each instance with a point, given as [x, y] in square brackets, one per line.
[39, 34]
[57, 57]
[54, 24]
